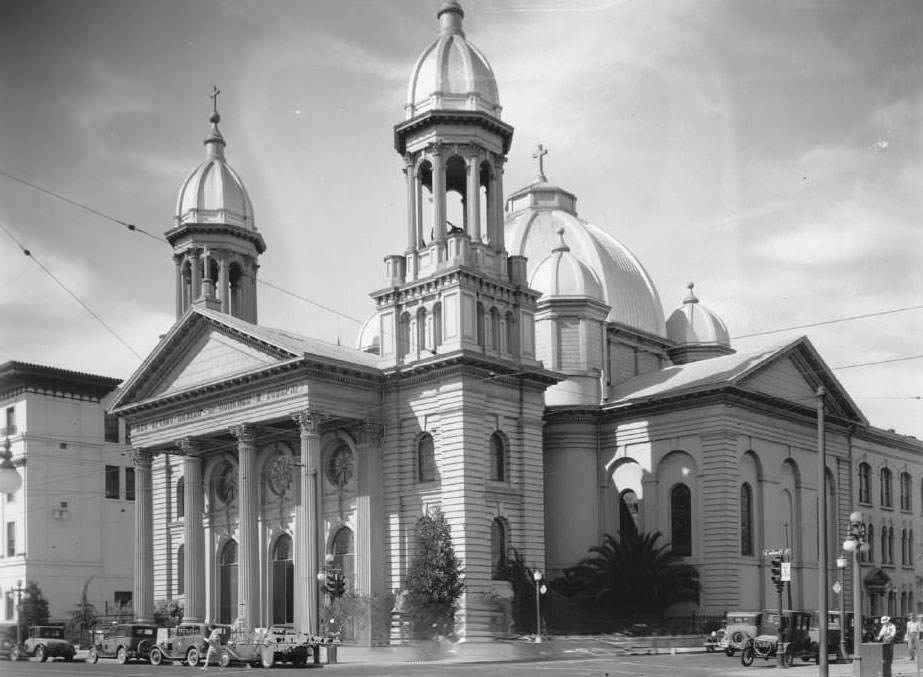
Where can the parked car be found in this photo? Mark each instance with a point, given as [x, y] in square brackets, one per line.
[123, 642]
[740, 627]
[796, 638]
[187, 642]
[47, 641]
[291, 646]
[717, 640]
[8, 648]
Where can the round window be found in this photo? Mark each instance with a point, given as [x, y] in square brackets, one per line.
[226, 484]
[340, 465]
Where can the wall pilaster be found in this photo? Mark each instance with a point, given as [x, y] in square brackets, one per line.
[193, 532]
[248, 590]
[143, 593]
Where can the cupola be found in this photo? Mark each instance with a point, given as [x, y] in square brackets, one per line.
[696, 331]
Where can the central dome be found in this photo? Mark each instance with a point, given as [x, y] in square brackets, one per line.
[540, 210]
[452, 74]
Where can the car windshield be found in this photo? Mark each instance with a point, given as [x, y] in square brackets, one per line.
[143, 631]
[51, 633]
[8, 631]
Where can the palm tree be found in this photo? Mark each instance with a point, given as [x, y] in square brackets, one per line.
[633, 575]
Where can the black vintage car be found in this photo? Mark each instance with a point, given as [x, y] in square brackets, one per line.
[8, 647]
[796, 639]
[123, 642]
[188, 642]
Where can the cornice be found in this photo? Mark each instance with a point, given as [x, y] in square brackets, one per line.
[252, 236]
[458, 117]
[467, 363]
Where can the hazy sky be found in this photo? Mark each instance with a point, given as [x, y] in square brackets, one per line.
[771, 152]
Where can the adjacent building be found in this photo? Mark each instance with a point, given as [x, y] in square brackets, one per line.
[69, 526]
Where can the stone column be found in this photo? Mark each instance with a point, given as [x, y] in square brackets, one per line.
[224, 285]
[196, 287]
[411, 203]
[143, 592]
[474, 198]
[418, 206]
[307, 560]
[248, 569]
[498, 205]
[439, 200]
[369, 510]
[180, 308]
[193, 532]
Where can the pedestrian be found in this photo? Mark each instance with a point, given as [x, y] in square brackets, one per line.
[214, 647]
[887, 632]
[913, 635]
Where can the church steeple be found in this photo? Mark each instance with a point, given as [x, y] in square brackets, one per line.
[215, 241]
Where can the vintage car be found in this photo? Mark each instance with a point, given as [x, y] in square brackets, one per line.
[123, 642]
[796, 641]
[833, 634]
[740, 627]
[253, 647]
[47, 641]
[716, 640]
[290, 646]
[8, 648]
[187, 642]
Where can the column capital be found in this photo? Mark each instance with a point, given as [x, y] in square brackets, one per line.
[189, 446]
[437, 149]
[371, 431]
[309, 421]
[408, 161]
[141, 458]
[245, 433]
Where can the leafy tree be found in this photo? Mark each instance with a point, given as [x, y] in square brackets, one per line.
[83, 617]
[633, 575]
[435, 579]
[168, 613]
[519, 575]
[33, 609]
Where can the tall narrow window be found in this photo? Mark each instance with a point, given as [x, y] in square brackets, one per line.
[112, 481]
[903, 546]
[180, 498]
[181, 570]
[906, 490]
[129, 484]
[870, 534]
[227, 583]
[628, 512]
[497, 459]
[403, 335]
[437, 325]
[498, 548]
[283, 581]
[11, 539]
[344, 555]
[865, 483]
[10, 605]
[480, 324]
[426, 459]
[746, 519]
[890, 545]
[885, 476]
[111, 428]
[495, 329]
[884, 545]
[681, 519]
[10, 421]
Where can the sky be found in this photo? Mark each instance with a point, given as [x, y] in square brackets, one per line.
[770, 152]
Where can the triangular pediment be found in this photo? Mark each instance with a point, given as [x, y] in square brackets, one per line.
[784, 380]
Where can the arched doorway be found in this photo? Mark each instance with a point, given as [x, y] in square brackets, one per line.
[344, 555]
[283, 581]
[227, 583]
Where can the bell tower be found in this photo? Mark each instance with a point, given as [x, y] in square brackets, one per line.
[455, 287]
[215, 241]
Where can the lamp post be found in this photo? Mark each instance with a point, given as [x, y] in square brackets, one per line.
[841, 565]
[10, 480]
[856, 543]
[18, 590]
[539, 589]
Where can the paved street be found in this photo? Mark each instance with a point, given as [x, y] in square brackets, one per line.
[681, 665]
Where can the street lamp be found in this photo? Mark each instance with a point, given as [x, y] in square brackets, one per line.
[540, 589]
[18, 590]
[841, 566]
[10, 480]
[856, 543]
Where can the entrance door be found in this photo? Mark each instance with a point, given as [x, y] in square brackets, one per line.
[283, 581]
[227, 583]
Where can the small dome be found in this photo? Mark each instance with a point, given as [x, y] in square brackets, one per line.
[369, 340]
[213, 192]
[452, 74]
[563, 274]
[693, 323]
[539, 210]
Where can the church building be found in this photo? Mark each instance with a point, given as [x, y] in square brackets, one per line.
[518, 373]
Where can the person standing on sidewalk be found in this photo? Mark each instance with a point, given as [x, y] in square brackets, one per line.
[214, 647]
[913, 635]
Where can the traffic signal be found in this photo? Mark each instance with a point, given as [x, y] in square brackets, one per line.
[776, 567]
[330, 584]
[339, 585]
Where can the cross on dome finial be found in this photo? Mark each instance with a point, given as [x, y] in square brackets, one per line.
[690, 297]
[214, 97]
[539, 155]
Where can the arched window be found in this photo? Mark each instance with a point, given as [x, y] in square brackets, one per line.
[884, 545]
[746, 519]
[903, 546]
[227, 583]
[437, 325]
[498, 548]
[421, 330]
[628, 512]
[865, 483]
[495, 329]
[344, 555]
[426, 459]
[403, 335]
[890, 545]
[181, 570]
[885, 477]
[870, 535]
[480, 324]
[681, 519]
[283, 581]
[512, 344]
[906, 490]
[497, 458]
[910, 556]
[180, 498]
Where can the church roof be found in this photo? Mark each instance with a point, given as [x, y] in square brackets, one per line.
[539, 210]
[561, 274]
[451, 73]
[693, 323]
[797, 380]
[16, 377]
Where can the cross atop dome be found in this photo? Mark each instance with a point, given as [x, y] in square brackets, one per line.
[539, 155]
[214, 97]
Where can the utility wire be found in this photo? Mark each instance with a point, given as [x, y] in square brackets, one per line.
[80, 205]
[72, 294]
[826, 322]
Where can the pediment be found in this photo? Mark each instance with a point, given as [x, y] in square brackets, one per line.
[784, 380]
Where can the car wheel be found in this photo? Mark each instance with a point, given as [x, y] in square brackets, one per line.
[224, 659]
[41, 653]
[746, 656]
[267, 657]
[121, 656]
[192, 657]
[94, 656]
[729, 652]
[155, 657]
